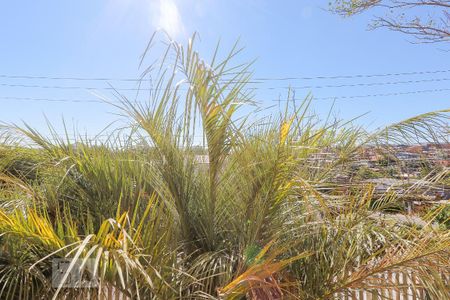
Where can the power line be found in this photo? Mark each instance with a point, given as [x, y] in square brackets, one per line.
[316, 98]
[371, 95]
[72, 87]
[54, 100]
[75, 78]
[259, 88]
[385, 94]
[363, 84]
[69, 78]
[352, 76]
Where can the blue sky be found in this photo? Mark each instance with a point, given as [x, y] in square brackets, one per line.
[288, 39]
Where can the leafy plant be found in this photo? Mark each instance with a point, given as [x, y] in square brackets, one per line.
[262, 219]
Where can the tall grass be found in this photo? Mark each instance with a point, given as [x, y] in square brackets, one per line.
[261, 220]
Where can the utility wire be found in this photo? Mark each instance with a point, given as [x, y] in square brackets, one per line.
[353, 76]
[255, 79]
[362, 84]
[370, 95]
[54, 100]
[384, 95]
[259, 88]
[315, 98]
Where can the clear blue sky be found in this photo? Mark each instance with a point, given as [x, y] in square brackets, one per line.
[288, 38]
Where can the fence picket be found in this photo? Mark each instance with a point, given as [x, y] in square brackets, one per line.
[398, 286]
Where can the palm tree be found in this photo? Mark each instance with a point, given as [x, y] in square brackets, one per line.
[261, 220]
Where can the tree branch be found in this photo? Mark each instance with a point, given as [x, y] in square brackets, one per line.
[434, 29]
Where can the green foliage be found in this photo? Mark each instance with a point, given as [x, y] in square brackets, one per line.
[250, 254]
[261, 218]
[443, 217]
[367, 173]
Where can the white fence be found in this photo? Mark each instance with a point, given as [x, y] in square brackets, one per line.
[386, 286]
[392, 286]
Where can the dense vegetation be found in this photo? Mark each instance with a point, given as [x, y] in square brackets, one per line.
[261, 220]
